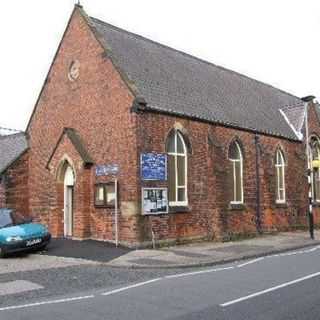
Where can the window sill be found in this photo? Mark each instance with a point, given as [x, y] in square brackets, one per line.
[316, 204]
[281, 205]
[237, 206]
[179, 209]
[104, 206]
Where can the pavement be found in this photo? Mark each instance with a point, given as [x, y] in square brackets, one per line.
[212, 253]
[280, 286]
[270, 285]
[24, 263]
[64, 253]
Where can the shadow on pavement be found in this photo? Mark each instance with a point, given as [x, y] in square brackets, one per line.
[87, 249]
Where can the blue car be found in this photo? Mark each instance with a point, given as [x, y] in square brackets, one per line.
[18, 234]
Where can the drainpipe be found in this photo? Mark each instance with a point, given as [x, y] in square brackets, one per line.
[116, 213]
[258, 205]
[307, 100]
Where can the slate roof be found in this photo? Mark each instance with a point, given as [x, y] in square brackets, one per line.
[77, 142]
[11, 148]
[174, 82]
[79, 145]
[7, 131]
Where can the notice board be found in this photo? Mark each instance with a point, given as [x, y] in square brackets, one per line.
[153, 166]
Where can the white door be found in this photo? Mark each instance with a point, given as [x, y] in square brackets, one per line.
[68, 202]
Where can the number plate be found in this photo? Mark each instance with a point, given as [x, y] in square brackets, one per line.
[33, 242]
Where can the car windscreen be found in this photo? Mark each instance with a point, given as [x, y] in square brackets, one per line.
[10, 218]
[19, 219]
[6, 218]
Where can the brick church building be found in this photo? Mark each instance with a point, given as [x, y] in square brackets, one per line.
[234, 149]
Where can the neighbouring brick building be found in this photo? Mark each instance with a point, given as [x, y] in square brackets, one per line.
[14, 172]
[236, 159]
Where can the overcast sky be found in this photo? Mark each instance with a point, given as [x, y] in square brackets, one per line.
[275, 41]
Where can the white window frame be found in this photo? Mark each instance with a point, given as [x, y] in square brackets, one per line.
[233, 161]
[315, 145]
[280, 166]
[313, 187]
[175, 155]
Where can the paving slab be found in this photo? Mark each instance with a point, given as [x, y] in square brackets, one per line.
[18, 286]
[21, 263]
[211, 253]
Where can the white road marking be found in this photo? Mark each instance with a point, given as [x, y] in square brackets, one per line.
[46, 303]
[285, 254]
[196, 272]
[313, 249]
[250, 296]
[130, 287]
[249, 262]
[178, 276]
[18, 286]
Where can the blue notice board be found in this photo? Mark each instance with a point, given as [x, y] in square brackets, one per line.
[154, 166]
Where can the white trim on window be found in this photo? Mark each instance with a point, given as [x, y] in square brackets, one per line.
[317, 182]
[233, 161]
[176, 154]
[315, 179]
[280, 171]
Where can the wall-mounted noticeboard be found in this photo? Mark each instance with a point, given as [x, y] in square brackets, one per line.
[107, 169]
[153, 166]
[154, 201]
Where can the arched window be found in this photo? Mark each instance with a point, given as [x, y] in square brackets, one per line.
[280, 177]
[177, 169]
[315, 156]
[236, 159]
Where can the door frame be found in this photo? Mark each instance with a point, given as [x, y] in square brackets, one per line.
[68, 202]
[68, 210]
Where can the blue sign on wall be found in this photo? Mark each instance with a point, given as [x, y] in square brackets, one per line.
[107, 169]
[154, 166]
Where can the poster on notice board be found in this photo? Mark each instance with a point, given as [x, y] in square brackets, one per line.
[154, 201]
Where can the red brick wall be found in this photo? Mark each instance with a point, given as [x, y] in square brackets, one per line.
[209, 184]
[15, 194]
[314, 129]
[96, 105]
[80, 212]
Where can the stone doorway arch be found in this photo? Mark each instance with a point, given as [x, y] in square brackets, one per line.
[66, 178]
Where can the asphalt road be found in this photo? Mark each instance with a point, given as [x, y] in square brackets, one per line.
[278, 287]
